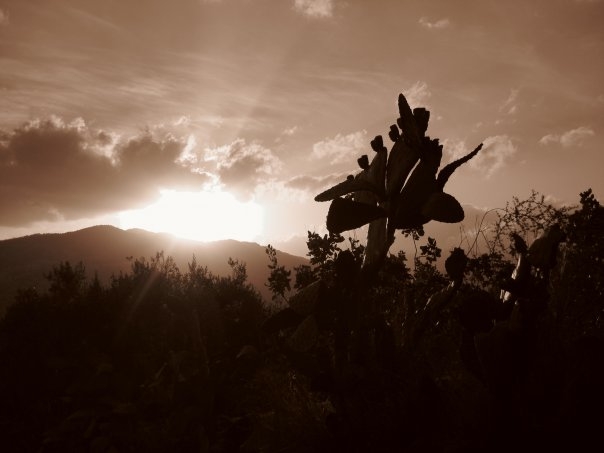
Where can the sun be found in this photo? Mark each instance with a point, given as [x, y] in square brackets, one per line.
[201, 216]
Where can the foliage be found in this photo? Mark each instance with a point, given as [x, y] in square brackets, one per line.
[67, 281]
[425, 264]
[400, 189]
[305, 275]
[163, 360]
[430, 252]
[527, 218]
[279, 277]
[489, 272]
[413, 233]
[124, 366]
[323, 251]
[439, 344]
[578, 302]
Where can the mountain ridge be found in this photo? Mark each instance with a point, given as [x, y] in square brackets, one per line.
[104, 250]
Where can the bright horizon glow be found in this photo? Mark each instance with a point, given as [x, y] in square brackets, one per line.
[200, 216]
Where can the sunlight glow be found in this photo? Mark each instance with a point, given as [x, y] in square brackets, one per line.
[201, 216]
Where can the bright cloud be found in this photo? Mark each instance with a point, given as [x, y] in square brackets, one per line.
[51, 170]
[573, 137]
[509, 106]
[290, 131]
[287, 132]
[438, 24]
[496, 152]
[242, 166]
[417, 94]
[315, 8]
[54, 170]
[342, 147]
[314, 183]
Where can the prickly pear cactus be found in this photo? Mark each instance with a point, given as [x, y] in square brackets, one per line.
[399, 189]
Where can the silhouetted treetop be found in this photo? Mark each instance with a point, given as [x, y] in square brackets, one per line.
[392, 192]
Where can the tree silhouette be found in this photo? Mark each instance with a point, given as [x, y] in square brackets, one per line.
[279, 277]
[392, 192]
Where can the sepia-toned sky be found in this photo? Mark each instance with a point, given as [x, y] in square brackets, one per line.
[106, 105]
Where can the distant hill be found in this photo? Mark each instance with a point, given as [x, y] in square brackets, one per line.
[103, 249]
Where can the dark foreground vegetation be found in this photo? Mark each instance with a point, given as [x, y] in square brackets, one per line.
[503, 352]
[161, 360]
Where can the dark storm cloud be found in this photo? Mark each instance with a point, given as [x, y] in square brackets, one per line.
[52, 170]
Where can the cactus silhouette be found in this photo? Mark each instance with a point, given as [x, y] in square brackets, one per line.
[399, 189]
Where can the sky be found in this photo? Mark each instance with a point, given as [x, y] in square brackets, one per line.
[224, 118]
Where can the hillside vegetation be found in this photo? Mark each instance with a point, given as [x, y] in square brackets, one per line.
[161, 359]
[104, 250]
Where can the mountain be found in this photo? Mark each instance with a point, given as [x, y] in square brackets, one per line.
[104, 250]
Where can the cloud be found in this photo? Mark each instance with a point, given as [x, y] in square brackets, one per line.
[290, 131]
[158, 163]
[417, 94]
[439, 24]
[314, 184]
[574, 137]
[241, 166]
[496, 152]
[315, 8]
[509, 105]
[3, 17]
[298, 189]
[295, 245]
[53, 170]
[342, 147]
